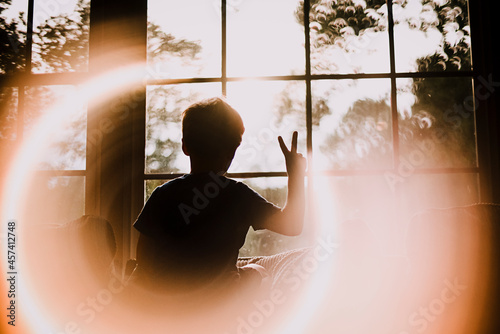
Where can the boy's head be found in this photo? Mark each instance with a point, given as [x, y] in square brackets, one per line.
[211, 129]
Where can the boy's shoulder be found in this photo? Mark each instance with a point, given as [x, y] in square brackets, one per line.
[205, 181]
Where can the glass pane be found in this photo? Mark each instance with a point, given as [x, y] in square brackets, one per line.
[57, 199]
[61, 36]
[432, 36]
[437, 122]
[269, 109]
[265, 242]
[349, 37]
[12, 32]
[370, 210]
[150, 186]
[165, 105]
[422, 192]
[264, 38]
[8, 114]
[352, 124]
[66, 142]
[184, 38]
[355, 207]
[357, 211]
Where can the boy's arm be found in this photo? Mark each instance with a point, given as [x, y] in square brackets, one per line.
[291, 218]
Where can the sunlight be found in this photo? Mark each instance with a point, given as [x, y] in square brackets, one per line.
[98, 89]
[22, 166]
[257, 103]
[101, 89]
[369, 267]
[264, 42]
[323, 213]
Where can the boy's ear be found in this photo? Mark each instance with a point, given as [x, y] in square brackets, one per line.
[184, 149]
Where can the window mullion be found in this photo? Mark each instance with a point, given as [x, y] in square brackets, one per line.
[394, 106]
[29, 36]
[224, 47]
[308, 79]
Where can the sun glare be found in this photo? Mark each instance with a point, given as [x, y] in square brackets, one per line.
[367, 266]
[34, 144]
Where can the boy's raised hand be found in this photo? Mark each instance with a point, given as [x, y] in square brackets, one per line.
[295, 162]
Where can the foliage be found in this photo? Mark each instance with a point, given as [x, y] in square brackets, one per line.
[12, 41]
[358, 140]
[12, 58]
[364, 117]
[61, 42]
[332, 20]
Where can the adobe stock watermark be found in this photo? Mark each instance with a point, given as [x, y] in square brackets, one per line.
[202, 198]
[92, 305]
[292, 281]
[425, 315]
[454, 116]
[121, 110]
[250, 148]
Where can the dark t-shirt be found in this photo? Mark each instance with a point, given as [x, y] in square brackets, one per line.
[197, 223]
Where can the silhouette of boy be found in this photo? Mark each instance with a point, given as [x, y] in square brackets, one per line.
[192, 227]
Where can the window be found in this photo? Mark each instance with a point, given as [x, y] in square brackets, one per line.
[383, 94]
[380, 94]
[43, 39]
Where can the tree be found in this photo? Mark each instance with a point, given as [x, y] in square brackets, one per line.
[438, 108]
[12, 59]
[60, 44]
[12, 42]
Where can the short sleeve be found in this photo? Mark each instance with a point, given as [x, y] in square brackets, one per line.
[257, 208]
[146, 220]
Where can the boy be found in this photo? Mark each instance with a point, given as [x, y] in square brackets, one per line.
[192, 227]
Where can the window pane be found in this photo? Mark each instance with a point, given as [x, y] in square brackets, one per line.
[8, 114]
[265, 242]
[366, 198]
[57, 199]
[420, 192]
[12, 32]
[264, 38]
[184, 38]
[60, 36]
[349, 37]
[269, 109]
[8, 126]
[165, 105]
[432, 36]
[66, 142]
[370, 207]
[352, 127]
[437, 122]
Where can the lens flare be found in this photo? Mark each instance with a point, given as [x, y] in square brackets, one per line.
[342, 283]
[21, 170]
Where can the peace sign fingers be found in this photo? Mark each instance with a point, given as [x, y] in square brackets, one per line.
[295, 162]
[293, 148]
[283, 147]
[295, 136]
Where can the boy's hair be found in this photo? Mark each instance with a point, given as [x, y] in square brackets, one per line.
[211, 128]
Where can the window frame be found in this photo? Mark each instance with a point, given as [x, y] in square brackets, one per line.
[133, 176]
[393, 75]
